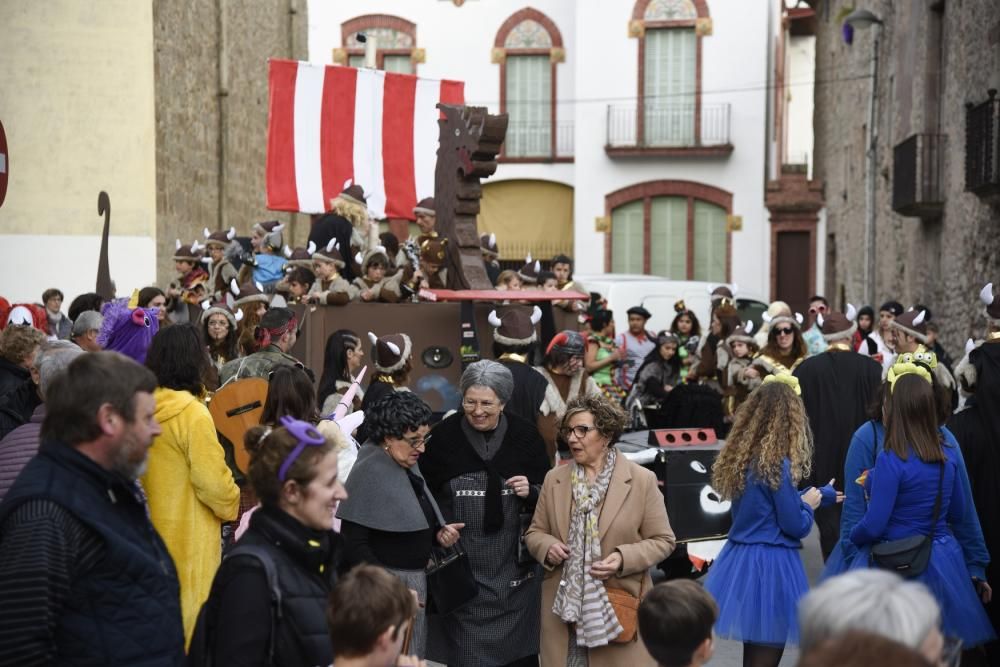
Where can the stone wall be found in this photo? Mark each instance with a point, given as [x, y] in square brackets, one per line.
[944, 261]
[211, 141]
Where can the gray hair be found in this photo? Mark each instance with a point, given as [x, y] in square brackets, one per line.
[874, 601]
[88, 320]
[489, 374]
[52, 359]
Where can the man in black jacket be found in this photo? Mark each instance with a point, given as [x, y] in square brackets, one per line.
[838, 388]
[84, 577]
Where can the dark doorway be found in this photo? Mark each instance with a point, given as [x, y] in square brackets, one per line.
[792, 278]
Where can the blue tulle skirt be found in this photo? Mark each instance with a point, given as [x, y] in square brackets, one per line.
[947, 577]
[758, 587]
[837, 563]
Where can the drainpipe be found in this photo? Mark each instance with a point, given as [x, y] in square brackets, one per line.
[223, 94]
[870, 172]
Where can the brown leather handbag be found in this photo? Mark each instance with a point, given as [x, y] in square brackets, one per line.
[626, 608]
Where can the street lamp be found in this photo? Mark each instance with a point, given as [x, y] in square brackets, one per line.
[862, 19]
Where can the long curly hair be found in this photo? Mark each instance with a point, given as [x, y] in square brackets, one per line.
[246, 326]
[769, 427]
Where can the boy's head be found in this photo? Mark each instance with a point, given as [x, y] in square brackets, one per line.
[562, 267]
[675, 623]
[740, 349]
[368, 615]
[375, 270]
[300, 279]
[183, 266]
[548, 282]
[508, 280]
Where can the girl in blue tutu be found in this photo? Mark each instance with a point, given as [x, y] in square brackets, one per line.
[903, 487]
[758, 577]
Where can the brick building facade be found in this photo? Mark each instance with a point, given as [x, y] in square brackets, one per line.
[211, 115]
[937, 243]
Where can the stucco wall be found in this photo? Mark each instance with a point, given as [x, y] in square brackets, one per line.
[77, 106]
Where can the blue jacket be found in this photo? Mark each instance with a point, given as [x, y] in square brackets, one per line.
[763, 515]
[861, 457]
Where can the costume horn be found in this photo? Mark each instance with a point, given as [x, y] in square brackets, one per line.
[799, 318]
[819, 319]
[970, 345]
[392, 346]
[287, 251]
[536, 315]
[206, 233]
[919, 319]
[494, 321]
[234, 287]
[986, 295]
[311, 248]
[852, 313]
[348, 397]
[373, 338]
[231, 234]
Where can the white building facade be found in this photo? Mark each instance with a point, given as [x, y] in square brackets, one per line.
[642, 132]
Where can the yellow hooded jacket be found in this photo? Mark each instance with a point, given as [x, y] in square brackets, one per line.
[191, 492]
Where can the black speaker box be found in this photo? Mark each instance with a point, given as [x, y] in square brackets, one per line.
[695, 510]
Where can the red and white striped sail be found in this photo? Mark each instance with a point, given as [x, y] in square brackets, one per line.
[328, 124]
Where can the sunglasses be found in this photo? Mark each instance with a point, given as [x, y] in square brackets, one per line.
[787, 331]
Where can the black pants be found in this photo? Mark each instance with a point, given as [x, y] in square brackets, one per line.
[828, 523]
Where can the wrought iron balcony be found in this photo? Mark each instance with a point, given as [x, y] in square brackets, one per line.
[982, 146]
[534, 141]
[658, 128]
[917, 171]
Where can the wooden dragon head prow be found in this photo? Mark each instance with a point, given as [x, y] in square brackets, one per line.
[470, 139]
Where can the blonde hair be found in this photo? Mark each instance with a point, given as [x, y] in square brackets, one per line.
[768, 428]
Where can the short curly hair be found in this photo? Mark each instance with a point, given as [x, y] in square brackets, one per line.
[609, 418]
[18, 343]
[394, 415]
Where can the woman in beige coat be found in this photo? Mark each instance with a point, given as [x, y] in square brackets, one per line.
[600, 522]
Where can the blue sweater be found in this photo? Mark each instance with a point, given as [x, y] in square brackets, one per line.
[861, 457]
[902, 498]
[268, 268]
[763, 515]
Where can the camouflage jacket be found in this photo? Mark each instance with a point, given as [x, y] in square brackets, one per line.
[257, 365]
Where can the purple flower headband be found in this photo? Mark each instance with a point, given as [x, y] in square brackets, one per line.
[306, 434]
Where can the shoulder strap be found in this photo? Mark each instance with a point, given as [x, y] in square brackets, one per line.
[271, 572]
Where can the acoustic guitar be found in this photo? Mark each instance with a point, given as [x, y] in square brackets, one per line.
[235, 409]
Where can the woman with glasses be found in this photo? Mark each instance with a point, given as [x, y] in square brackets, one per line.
[600, 524]
[485, 468]
[390, 517]
[784, 351]
[293, 470]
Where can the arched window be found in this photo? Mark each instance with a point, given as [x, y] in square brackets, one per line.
[395, 40]
[527, 47]
[674, 229]
[669, 114]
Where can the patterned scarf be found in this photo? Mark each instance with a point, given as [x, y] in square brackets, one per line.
[581, 598]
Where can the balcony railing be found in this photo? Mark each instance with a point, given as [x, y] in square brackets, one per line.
[982, 146]
[532, 140]
[916, 176]
[659, 127]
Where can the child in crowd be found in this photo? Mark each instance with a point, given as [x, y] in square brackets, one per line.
[221, 270]
[675, 623]
[299, 281]
[656, 378]
[688, 331]
[188, 290]
[373, 284]
[740, 348]
[547, 282]
[330, 288]
[267, 264]
[509, 281]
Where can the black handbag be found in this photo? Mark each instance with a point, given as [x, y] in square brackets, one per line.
[524, 556]
[908, 557]
[450, 582]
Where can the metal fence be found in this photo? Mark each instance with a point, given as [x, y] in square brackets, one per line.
[916, 175]
[667, 125]
[533, 139]
[982, 146]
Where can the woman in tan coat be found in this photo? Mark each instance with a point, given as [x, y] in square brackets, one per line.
[600, 524]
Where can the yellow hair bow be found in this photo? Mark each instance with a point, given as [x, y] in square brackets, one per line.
[785, 378]
[898, 370]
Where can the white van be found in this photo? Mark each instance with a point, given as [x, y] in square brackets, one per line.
[658, 296]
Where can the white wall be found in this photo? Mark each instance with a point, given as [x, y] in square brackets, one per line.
[601, 68]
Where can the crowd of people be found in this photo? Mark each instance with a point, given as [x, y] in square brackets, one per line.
[353, 525]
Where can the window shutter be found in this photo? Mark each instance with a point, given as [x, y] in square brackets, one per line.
[669, 85]
[668, 238]
[397, 63]
[529, 103]
[709, 242]
[626, 238]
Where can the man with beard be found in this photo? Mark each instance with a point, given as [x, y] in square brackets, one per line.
[84, 577]
[838, 387]
[977, 429]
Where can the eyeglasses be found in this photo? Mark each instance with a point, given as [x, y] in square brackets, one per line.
[415, 442]
[784, 332]
[485, 406]
[580, 431]
[817, 309]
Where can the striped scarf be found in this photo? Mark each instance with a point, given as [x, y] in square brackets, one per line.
[581, 598]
